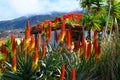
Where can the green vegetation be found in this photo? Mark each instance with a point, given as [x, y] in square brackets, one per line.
[95, 58]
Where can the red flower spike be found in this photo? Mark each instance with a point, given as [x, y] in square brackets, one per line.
[12, 38]
[43, 50]
[62, 32]
[14, 63]
[32, 44]
[21, 46]
[26, 40]
[97, 51]
[43, 29]
[35, 59]
[95, 47]
[38, 41]
[84, 47]
[83, 41]
[56, 20]
[68, 40]
[13, 45]
[27, 30]
[76, 46]
[95, 35]
[62, 72]
[13, 50]
[4, 51]
[88, 50]
[72, 75]
[49, 35]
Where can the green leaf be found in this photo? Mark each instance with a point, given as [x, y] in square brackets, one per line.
[11, 76]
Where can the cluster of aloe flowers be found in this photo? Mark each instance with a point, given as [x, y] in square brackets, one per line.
[37, 58]
[25, 60]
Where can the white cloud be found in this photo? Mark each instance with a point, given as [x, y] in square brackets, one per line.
[24, 6]
[15, 8]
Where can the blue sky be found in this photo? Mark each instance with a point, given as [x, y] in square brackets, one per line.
[10, 9]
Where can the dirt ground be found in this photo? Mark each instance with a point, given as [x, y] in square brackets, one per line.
[2, 40]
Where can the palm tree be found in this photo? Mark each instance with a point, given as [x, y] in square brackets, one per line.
[94, 9]
[113, 9]
[98, 7]
[90, 22]
[115, 14]
[86, 4]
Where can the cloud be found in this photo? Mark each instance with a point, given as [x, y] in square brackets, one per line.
[15, 8]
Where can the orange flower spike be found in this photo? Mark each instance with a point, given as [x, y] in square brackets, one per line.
[88, 50]
[62, 72]
[26, 40]
[13, 45]
[27, 30]
[84, 47]
[38, 41]
[43, 29]
[83, 41]
[14, 63]
[12, 38]
[21, 46]
[35, 59]
[14, 48]
[62, 32]
[76, 46]
[98, 51]
[95, 36]
[43, 50]
[32, 44]
[28, 49]
[4, 52]
[56, 20]
[49, 32]
[72, 75]
[68, 40]
[96, 54]
[95, 47]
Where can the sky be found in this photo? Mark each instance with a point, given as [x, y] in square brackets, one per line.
[10, 9]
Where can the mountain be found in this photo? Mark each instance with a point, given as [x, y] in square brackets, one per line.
[20, 23]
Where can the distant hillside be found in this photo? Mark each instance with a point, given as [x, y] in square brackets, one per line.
[20, 23]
